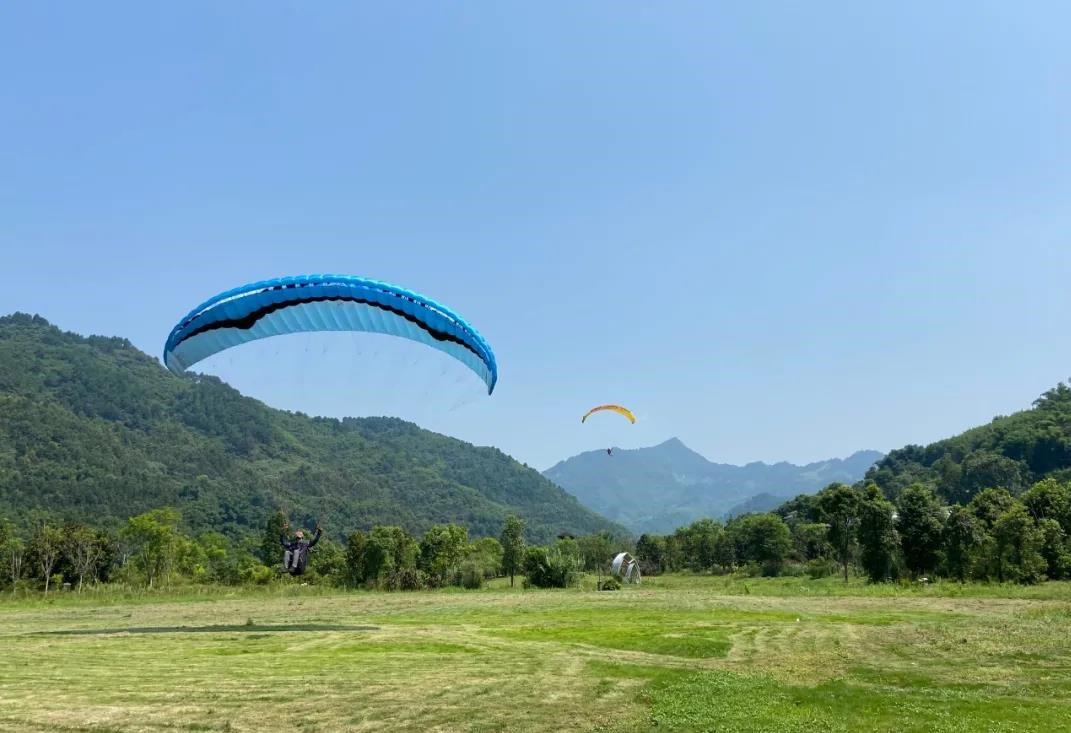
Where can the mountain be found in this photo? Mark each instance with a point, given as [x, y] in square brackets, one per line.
[94, 430]
[663, 487]
[1012, 451]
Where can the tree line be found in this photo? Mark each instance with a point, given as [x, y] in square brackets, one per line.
[151, 550]
[995, 536]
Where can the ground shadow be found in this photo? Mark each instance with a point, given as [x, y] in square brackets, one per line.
[214, 629]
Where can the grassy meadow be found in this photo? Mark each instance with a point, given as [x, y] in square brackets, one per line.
[679, 653]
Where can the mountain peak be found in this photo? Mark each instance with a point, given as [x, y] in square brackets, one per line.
[664, 486]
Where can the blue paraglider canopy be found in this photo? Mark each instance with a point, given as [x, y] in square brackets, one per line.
[324, 303]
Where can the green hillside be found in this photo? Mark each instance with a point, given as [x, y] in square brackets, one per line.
[93, 429]
[1012, 452]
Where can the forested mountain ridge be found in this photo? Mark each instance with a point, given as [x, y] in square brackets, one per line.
[1011, 452]
[94, 430]
[662, 487]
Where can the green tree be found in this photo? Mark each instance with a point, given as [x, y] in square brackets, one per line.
[442, 549]
[651, 552]
[698, 543]
[389, 549]
[1018, 546]
[327, 561]
[153, 539]
[839, 506]
[983, 470]
[512, 541]
[1055, 549]
[961, 538]
[549, 567]
[763, 539]
[878, 540]
[1050, 499]
[46, 545]
[920, 523]
[989, 504]
[810, 541]
[270, 549]
[596, 550]
[356, 549]
[484, 556]
[84, 550]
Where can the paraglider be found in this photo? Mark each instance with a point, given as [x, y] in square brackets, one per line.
[324, 303]
[296, 551]
[612, 408]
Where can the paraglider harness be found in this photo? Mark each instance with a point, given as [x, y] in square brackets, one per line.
[296, 555]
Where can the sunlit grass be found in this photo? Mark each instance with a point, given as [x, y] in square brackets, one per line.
[677, 653]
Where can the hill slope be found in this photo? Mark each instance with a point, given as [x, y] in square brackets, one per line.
[95, 430]
[660, 488]
[1011, 451]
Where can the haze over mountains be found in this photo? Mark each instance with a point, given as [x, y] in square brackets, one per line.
[665, 486]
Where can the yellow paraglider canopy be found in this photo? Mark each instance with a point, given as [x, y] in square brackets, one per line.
[614, 408]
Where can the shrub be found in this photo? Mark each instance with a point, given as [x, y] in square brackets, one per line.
[552, 568]
[471, 576]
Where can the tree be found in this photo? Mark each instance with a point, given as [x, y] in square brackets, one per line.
[811, 541]
[763, 539]
[442, 549]
[989, 504]
[512, 546]
[46, 544]
[356, 549]
[484, 556]
[839, 505]
[919, 525]
[698, 543]
[984, 470]
[84, 550]
[596, 549]
[651, 552]
[328, 562]
[270, 549]
[1055, 549]
[1050, 499]
[878, 539]
[13, 549]
[961, 537]
[152, 538]
[1018, 546]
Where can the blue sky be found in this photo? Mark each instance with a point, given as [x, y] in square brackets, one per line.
[775, 230]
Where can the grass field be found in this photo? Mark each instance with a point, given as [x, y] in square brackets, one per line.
[677, 654]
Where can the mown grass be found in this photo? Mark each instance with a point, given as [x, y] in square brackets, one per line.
[680, 653]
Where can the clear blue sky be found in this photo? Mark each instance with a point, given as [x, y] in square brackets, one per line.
[775, 230]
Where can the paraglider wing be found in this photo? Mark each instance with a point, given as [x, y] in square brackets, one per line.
[324, 303]
[614, 408]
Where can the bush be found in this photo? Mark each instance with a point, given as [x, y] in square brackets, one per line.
[471, 575]
[404, 579]
[822, 569]
[545, 568]
[609, 584]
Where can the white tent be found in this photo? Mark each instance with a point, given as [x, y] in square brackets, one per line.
[625, 567]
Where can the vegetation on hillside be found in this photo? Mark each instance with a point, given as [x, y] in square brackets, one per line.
[1011, 452]
[94, 431]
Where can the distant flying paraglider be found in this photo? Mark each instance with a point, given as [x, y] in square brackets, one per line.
[324, 303]
[614, 408]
